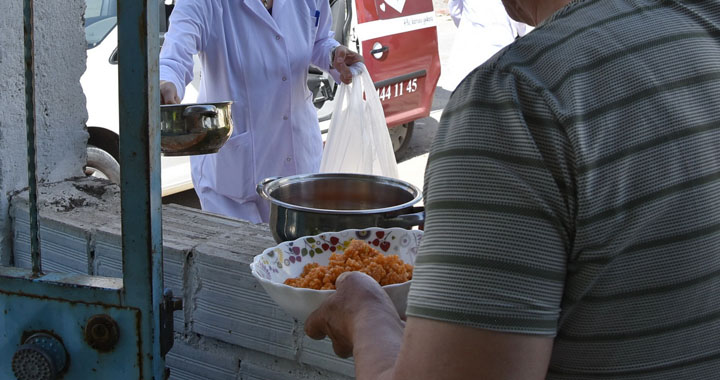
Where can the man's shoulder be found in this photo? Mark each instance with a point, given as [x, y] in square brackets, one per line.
[556, 40]
[575, 38]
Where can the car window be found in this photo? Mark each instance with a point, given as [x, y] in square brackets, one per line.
[100, 19]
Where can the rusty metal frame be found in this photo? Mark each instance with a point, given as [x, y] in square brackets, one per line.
[138, 80]
[140, 290]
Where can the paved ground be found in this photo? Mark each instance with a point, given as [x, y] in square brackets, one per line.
[411, 163]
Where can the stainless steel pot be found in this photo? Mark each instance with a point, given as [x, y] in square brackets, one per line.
[309, 204]
[188, 129]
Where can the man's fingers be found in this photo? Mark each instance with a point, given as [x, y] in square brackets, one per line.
[316, 328]
[341, 278]
[169, 99]
[342, 349]
[168, 93]
[315, 325]
[354, 279]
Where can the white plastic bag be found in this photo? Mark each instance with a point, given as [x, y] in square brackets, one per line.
[358, 140]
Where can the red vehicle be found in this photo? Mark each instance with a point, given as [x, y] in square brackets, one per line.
[398, 39]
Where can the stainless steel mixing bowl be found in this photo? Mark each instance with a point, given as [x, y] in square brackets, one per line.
[189, 129]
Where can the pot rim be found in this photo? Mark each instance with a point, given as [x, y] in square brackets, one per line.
[185, 105]
[266, 186]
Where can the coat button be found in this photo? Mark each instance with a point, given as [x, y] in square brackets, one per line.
[285, 117]
[277, 37]
[288, 159]
[284, 79]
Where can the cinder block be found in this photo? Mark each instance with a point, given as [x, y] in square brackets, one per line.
[187, 362]
[68, 212]
[107, 248]
[259, 366]
[107, 252]
[230, 306]
[63, 246]
[189, 226]
[173, 278]
[183, 229]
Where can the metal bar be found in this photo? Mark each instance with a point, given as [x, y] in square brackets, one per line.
[138, 50]
[28, 14]
[74, 288]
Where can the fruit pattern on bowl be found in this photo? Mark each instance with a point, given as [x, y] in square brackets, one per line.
[288, 259]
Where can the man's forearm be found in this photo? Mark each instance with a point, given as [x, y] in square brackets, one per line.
[376, 346]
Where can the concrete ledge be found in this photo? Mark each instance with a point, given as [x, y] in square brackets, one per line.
[229, 327]
[189, 362]
[209, 359]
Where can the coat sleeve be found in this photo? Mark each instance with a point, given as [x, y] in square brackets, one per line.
[324, 39]
[185, 37]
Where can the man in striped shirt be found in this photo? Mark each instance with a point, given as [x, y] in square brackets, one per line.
[573, 209]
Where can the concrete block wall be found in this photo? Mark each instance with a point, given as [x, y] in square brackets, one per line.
[229, 328]
[60, 114]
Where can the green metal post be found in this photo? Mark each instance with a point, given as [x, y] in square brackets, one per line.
[138, 50]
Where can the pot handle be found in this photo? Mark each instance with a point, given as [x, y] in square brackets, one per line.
[195, 112]
[261, 187]
[416, 218]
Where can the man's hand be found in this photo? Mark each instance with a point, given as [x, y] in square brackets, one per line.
[361, 321]
[168, 93]
[344, 57]
[359, 308]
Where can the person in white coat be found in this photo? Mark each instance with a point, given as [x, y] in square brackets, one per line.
[484, 28]
[255, 53]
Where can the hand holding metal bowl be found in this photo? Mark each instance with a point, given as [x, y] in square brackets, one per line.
[190, 129]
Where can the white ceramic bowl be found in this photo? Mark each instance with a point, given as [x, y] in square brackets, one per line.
[287, 260]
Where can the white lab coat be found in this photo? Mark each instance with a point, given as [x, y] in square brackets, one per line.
[260, 62]
[484, 28]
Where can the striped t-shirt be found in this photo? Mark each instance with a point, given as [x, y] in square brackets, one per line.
[573, 190]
